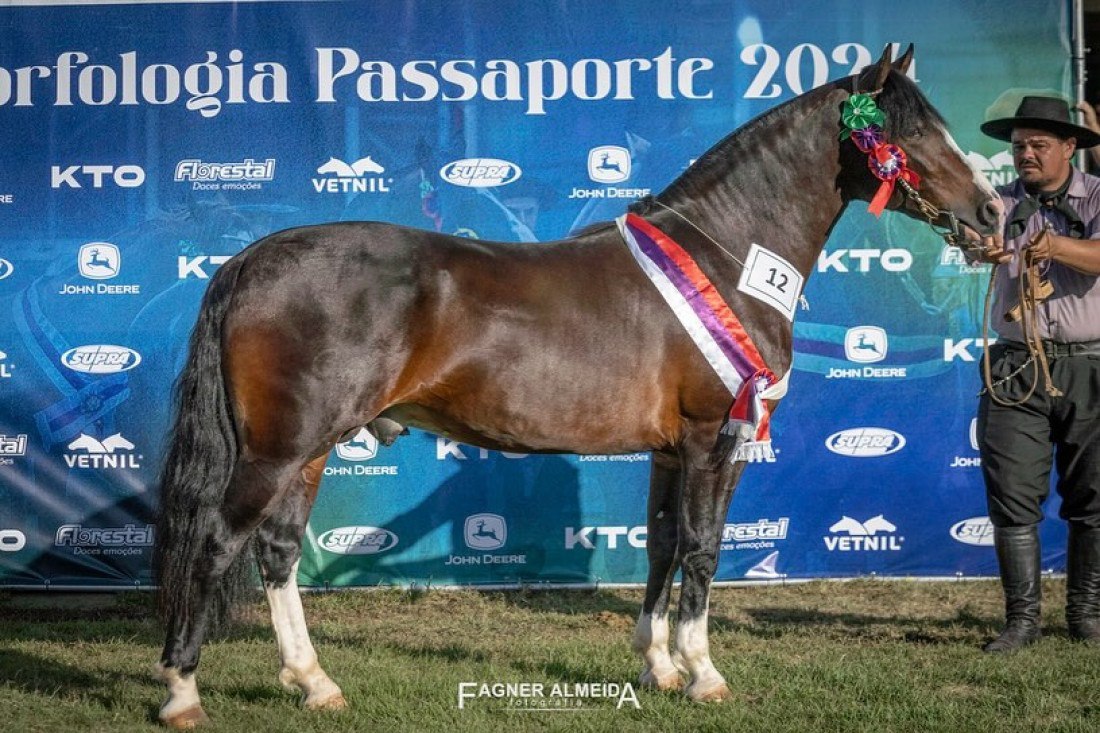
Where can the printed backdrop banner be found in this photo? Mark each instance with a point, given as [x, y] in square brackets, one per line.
[142, 145]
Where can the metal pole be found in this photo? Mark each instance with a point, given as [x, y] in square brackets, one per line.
[1079, 72]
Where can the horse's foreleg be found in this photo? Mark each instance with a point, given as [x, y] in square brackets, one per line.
[280, 547]
[709, 480]
[651, 635]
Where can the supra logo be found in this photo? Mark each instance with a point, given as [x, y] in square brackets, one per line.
[100, 359]
[609, 164]
[360, 447]
[12, 540]
[999, 169]
[357, 540]
[6, 268]
[977, 531]
[850, 535]
[485, 531]
[480, 172]
[123, 176]
[586, 537]
[865, 442]
[14, 445]
[891, 260]
[193, 266]
[111, 452]
[962, 349]
[865, 344]
[99, 260]
[362, 176]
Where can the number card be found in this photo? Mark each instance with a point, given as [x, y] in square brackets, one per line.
[770, 278]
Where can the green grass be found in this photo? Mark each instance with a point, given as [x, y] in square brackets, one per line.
[861, 656]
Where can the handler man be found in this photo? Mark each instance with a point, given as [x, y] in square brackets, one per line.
[1053, 211]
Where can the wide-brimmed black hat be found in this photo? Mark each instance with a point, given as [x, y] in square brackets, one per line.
[1042, 113]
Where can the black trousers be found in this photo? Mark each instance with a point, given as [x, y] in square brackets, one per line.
[1019, 445]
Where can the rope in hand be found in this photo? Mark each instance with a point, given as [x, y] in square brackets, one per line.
[1032, 290]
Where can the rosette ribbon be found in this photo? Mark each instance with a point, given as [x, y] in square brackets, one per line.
[888, 163]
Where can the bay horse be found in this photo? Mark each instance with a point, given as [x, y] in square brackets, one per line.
[311, 333]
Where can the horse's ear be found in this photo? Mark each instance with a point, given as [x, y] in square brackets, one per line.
[881, 70]
[902, 64]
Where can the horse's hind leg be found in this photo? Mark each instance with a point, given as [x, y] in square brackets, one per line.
[651, 634]
[252, 491]
[709, 481]
[279, 541]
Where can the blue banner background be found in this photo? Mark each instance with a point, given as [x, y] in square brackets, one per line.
[102, 170]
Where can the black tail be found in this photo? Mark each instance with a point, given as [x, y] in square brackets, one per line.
[201, 455]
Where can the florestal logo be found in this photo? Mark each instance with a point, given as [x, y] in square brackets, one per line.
[362, 176]
[246, 175]
[357, 540]
[759, 535]
[480, 172]
[77, 535]
[112, 452]
[100, 359]
[865, 442]
[14, 445]
[977, 531]
[12, 540]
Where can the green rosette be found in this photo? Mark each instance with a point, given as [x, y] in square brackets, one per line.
[859, 112]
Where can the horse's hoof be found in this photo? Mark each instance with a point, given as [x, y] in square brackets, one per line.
[717, 693]
[665, 683]
[192, 717]
[332, 702]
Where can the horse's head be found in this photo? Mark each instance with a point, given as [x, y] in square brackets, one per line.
[910, 162]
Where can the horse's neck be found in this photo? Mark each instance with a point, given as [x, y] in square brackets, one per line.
[775, 185]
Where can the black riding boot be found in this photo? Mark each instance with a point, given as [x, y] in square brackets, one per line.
[1018, 557]
[1083, 583]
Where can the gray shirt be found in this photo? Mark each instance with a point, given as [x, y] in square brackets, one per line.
[1073, 312]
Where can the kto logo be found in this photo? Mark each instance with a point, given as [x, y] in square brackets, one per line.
[865, 344]
[12, 540]
[609, 164]
[977, 531]
[99, 260]
[357, 540]
[480, 172]
[445, 448]
[859, 260]
[965, 349]
[850, 535]
[360, 447]
[193, 266]
[485, 531]
[123, 176]
[586, 537]
[865, 442]
[6, 268]
[100, 359]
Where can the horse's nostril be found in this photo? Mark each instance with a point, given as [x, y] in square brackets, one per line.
[990, 212]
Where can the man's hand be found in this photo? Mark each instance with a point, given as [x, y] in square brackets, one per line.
[1043, 246]
[993, 250]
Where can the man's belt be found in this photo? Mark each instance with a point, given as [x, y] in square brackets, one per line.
[1058, 350]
